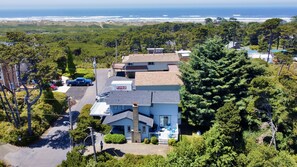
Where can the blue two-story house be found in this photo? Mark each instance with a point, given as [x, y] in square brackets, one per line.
[156, 110]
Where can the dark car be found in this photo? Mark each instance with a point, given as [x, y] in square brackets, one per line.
[80, 81]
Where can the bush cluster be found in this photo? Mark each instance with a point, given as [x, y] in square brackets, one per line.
[154, 140]
[172, 142]
[146, 141]
[115, 138]
[86, 73]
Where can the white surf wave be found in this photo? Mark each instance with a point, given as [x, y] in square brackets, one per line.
[131, 18]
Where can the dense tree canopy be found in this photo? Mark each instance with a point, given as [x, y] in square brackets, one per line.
[213, 76]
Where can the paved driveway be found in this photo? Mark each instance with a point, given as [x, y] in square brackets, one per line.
[53, 146]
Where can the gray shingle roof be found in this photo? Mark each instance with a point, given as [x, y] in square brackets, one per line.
[142, 98]
[169, 97]
[128, 114]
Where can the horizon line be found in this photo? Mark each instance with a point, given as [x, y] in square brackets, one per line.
[151, 7]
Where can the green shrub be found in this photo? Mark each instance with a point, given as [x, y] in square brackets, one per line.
[107, 138]
[90, 76]
[83, 122]
[172, 142]
[105, 129]
[146, 141]
[67, 75]
[2, 164]
[154, 140]
[115, 138]
[254, 47]
[86, 73]
[74, 158]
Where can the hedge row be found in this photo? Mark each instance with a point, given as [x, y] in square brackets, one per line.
[115, 138]
[154, 140]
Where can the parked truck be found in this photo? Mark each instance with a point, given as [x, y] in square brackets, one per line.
[80, 81]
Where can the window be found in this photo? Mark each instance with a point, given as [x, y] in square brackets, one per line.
[130, 64]
[129, 129]
[143, 129]
[165, 121]
[151, 63]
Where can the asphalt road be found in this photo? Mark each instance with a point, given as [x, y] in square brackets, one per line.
[77, 92]
[53, 146]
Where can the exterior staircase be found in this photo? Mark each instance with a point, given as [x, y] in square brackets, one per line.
[163, 141]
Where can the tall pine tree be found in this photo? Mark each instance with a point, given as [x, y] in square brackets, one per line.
[214, 75]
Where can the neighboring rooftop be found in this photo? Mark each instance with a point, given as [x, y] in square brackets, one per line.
[138, 58]
[118, 66]
[163, 78]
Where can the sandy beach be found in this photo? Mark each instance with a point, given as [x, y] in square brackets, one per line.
[87, 21]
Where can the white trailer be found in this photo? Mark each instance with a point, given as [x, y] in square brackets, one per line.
[121, 85]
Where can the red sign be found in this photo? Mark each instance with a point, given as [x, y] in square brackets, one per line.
[121, 87]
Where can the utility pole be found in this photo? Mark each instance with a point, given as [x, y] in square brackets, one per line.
[70, 112]
[95, 69]
[70, 119]
[116, 50]
[93, 142]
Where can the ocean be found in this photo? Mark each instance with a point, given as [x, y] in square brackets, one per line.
[196, 14]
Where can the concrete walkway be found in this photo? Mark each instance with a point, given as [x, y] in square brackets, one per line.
[5, 149]
[63, 88]
[120, 150]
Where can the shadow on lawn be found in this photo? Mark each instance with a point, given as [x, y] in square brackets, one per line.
[114, 152]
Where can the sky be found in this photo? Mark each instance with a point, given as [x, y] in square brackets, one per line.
[140, 3]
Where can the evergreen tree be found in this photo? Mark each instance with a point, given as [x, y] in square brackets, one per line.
[228, 118]
[213, 76]
[70, 64]
[74, 158]
[270, 26]
[218, 150]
